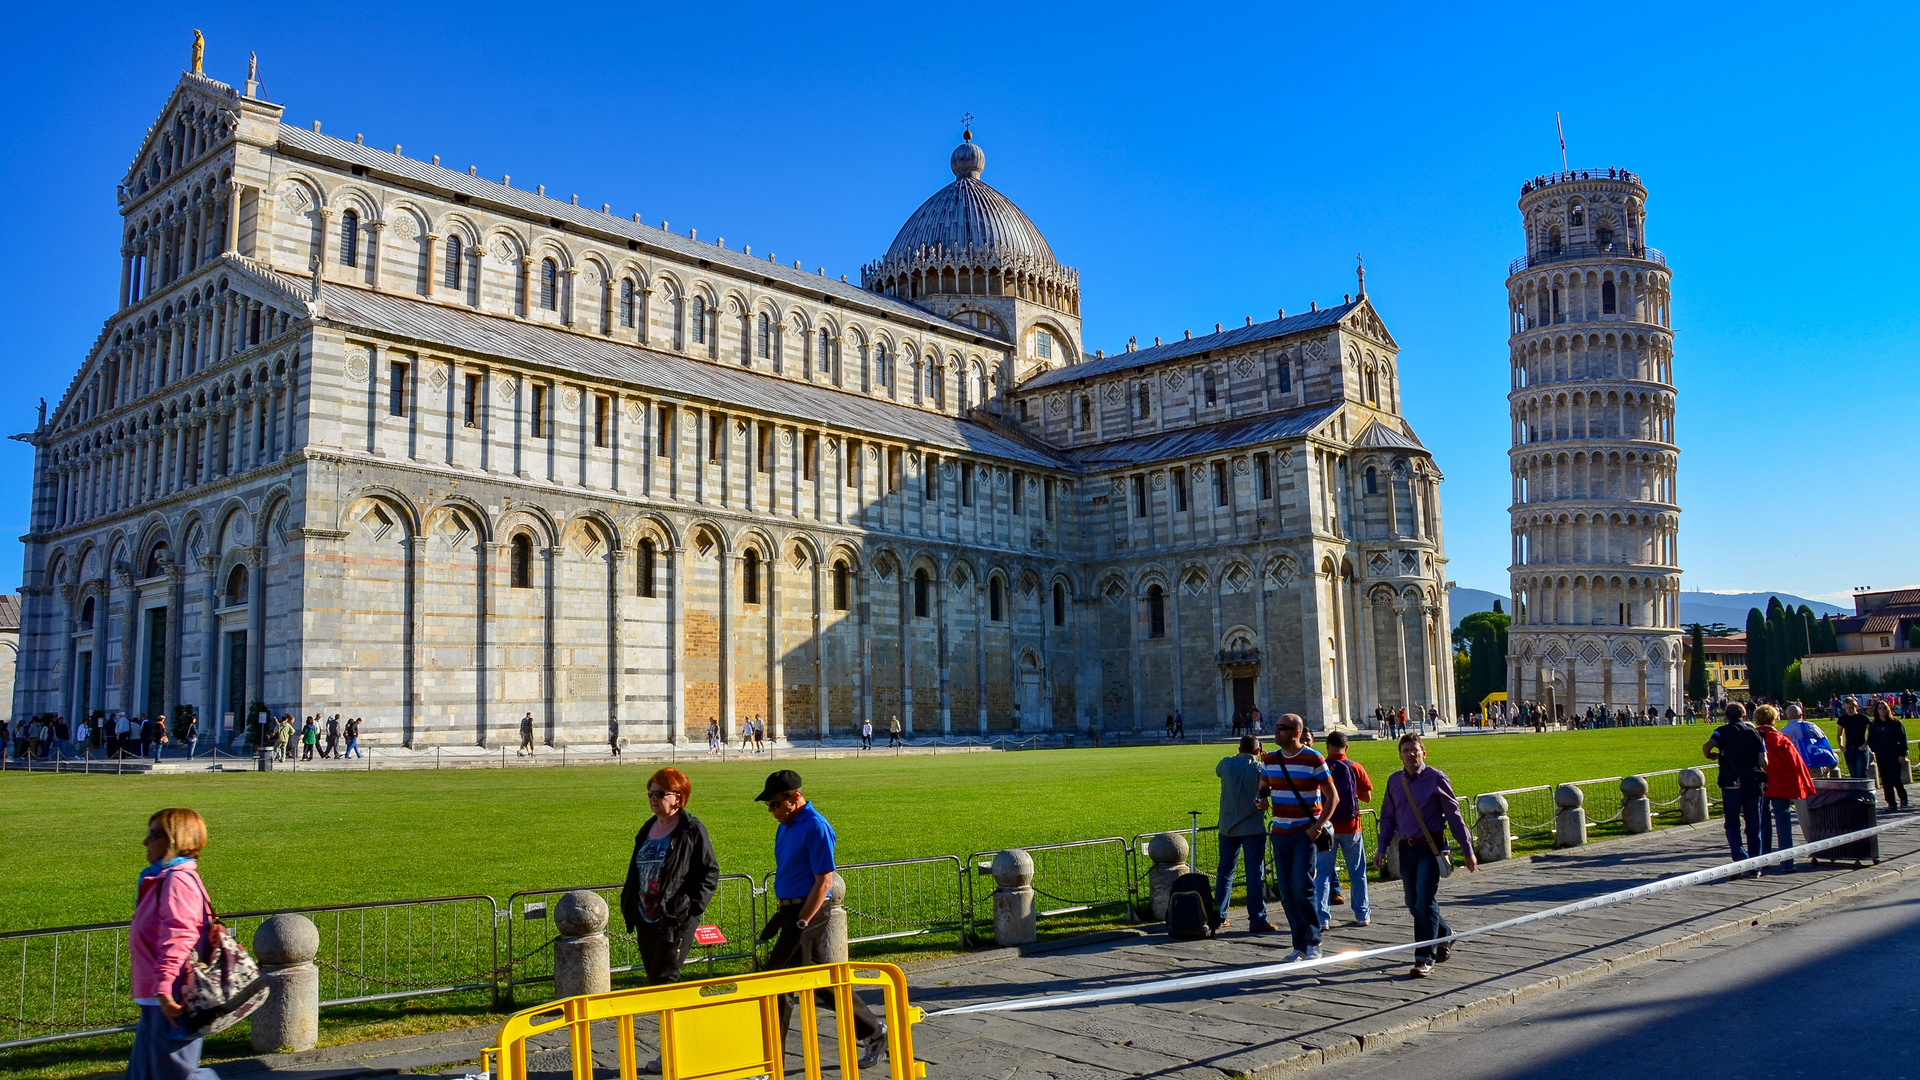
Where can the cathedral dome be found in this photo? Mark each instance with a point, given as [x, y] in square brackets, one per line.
[968, 215]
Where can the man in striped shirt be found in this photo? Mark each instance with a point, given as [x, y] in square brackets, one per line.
[1299, 788]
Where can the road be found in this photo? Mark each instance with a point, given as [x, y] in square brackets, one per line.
[1830, 995]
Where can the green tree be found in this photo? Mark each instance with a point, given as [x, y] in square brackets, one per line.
[1825, 639]
[1697, 665]
[1756, 650]
[1779, 648]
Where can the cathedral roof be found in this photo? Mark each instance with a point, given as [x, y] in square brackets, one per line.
[669, 375]
[1239, 335]
[968, 214]
[313, 144]
[1378, 436]
[1205, 439]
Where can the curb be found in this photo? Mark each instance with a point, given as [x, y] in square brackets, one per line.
[1351, 1046]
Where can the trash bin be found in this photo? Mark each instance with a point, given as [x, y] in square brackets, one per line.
[263, 761]
[1840, 806]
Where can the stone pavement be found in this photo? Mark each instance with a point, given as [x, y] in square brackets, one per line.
[1284, 1024]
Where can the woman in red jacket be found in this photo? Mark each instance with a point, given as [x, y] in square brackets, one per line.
[169, 919]
[1787, 780]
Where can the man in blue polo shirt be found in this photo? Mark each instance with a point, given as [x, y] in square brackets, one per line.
[802, 878]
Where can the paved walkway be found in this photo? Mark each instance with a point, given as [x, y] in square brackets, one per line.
[1282, 1024]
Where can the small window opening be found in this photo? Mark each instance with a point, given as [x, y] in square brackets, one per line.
[1156, 611]
[1140, 496]
[750, 577]
[995, 601]
[538, 412]
[1059, 604]
[473, 400]
[643, 569]
[922, 594]
[520, 572]
[601, 409]
[396, 389]
[841, 586]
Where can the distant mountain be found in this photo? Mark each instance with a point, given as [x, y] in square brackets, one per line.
[1695, 606]
[1732, 608]
[1465, 602]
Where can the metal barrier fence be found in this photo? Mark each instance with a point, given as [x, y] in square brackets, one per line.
[1600, 798]
[1663, 791]
[901, 898]
[1077, 875]
[531, 932]
[1529, 809]
[72, 980]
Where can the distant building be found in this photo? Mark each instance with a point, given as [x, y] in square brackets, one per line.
[1879, 635]
[9, 646]
[1726, 664]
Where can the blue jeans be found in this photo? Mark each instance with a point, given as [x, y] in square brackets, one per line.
[162, 1051]
[1856, 762]
[1739, 803]
[1420, 877]
[1780, 836]
[353, 749]
[1293, 859]
[1326, 878]
[1252, 850]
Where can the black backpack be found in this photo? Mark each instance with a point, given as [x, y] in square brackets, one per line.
[1190, 911]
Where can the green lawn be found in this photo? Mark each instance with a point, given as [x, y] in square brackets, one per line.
[286, 840]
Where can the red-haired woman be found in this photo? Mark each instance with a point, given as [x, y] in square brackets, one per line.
[670, 878]
[170, 915]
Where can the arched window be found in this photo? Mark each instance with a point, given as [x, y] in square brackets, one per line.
[1156, 612]
[520, 572]
[1207, 388]
[750, 578]
[841, 585]
[237, 586]
[1373, 481]
[826, 352]
[1059, 604]
[549, 285]
[995, 602]
[880, 372]
[86, 613]
[456, 251]
[922, 590]
[626, 302]
[699, 320]
[1609, 298]
[764, 344]
[350, 238]
[157, 560]
[1578, 216]
[1086, 413]
[1553, 240]
[1604, 238]
[643, 572]
[1146, 402]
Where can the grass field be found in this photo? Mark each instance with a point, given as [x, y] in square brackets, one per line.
[284, 840]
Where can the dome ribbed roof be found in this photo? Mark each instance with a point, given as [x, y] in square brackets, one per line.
[969, 213]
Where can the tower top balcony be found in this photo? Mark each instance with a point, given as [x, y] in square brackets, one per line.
[1612, 249]
[1572, 175]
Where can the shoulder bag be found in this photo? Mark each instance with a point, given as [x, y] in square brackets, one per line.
[221, 985]
[1323, 842]
[1442, 861]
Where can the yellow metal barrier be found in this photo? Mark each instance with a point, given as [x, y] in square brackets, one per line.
[720, 1029]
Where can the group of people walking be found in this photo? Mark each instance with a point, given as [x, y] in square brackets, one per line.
[312, 735]
[753, 736]
[119, 736]
[1302, 807]
[1393, 722]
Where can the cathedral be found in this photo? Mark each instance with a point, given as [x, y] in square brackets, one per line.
[373, 436]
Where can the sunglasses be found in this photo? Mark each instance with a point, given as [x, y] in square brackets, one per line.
[653, 793]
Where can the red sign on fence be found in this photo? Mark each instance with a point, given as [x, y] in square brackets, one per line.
[709, 935]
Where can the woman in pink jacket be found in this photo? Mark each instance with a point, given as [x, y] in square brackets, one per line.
[170, 915]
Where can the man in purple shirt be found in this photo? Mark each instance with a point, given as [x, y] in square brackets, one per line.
[1417, 813]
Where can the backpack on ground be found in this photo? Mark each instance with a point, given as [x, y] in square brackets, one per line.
[1190, 912]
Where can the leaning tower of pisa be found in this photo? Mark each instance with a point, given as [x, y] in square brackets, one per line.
[1596, 571]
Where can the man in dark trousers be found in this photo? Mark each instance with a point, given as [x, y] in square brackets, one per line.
[1742, 754]
[526, 736]
[332, 749]
[1853, 737]
[802, 878]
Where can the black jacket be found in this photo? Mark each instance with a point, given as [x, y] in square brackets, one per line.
[1888, 741]
[688, 878]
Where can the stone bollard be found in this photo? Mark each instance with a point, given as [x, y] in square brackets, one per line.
[1492, 830]
[833, 940]
[1015, 914]
[580, 964]
[1168, 850]
[1636, 810]
[1693, 796]
[284, 946]
[1570, 821]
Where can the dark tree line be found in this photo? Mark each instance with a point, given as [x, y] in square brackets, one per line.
[1481, 642]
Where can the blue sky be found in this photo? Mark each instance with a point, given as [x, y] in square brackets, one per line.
[1197, 165]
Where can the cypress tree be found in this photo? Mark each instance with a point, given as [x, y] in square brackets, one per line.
[1697, 665]
[1756, 650]
[1828, 641]
[1779, 647]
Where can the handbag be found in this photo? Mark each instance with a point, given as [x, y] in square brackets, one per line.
[1323, 842]
[221, 985]
[1442, 861]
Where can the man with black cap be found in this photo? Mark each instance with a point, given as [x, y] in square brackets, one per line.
[802, 877]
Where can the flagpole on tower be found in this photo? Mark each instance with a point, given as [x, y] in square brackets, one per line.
[1563, 142]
